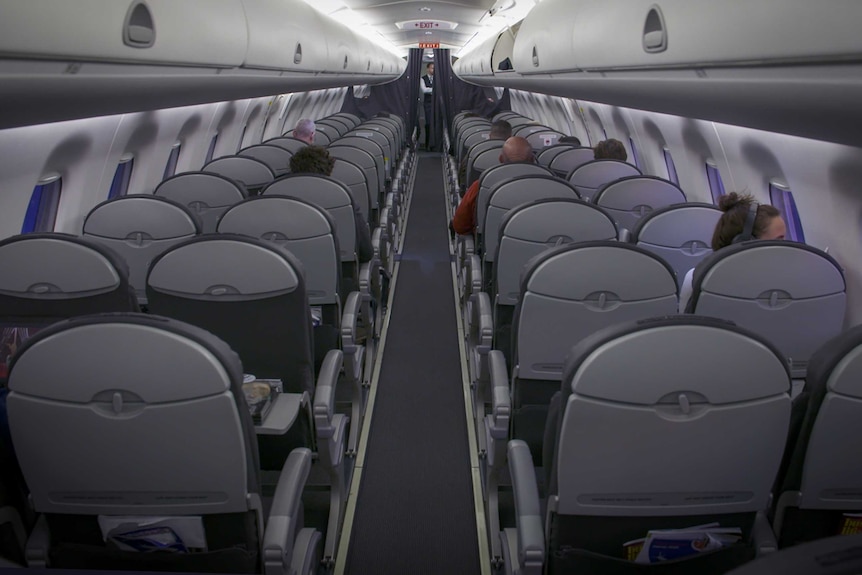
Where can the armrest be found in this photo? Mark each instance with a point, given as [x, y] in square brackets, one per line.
[501, 403]
[9, 514]
[482, 323]
[528, 514]
[349, 317]
[475, 277]
[625, 235]
[324, 393]
[365, 276]
[281, 525]
[764, 537]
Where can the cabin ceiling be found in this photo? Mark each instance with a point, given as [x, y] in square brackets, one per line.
[382, 16]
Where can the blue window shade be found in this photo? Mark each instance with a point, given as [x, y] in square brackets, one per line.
[782, 199]
[42, 210]
[120, 183]
[635, 156]
[171, 166]
[716, 187]
[671, 168]
[211, 151]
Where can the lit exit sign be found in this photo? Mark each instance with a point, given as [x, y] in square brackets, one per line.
[429, 44]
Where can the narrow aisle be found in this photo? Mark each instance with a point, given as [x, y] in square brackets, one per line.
[415, 512]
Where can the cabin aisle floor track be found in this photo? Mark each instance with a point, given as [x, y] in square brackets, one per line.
[415, 508]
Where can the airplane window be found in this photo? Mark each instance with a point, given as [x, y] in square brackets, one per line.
[211, 151]
[42, 210]
[713, 176]
[671, 168]
[120, 183]
[241, 138]
[781, 197]
[171, 167]
[635, 156]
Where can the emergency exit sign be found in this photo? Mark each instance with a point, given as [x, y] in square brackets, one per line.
[429, 44]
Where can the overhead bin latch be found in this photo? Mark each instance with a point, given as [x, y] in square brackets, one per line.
[297, 55]
[655, 34]
[139, 30]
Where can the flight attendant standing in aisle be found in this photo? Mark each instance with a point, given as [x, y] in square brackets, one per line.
[426, 84]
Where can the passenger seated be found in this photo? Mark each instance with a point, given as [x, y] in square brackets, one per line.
[743, 219]
[316, 160]
[304, 131]
[516, 149]
[610, 149]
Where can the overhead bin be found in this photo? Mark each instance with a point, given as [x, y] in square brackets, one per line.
[284, 35]
[188, 33]
[572, 35]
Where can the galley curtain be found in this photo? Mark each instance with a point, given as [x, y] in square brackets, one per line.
[453, 95]
[397, 97]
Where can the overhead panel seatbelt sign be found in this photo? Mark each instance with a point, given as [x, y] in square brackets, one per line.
[429, 44]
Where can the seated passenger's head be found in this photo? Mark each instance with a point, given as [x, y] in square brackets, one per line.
[571, 140]
[304, 130]
[516, 149]
[500, 130]
[768, 223]
[610, 149]
[312, 160]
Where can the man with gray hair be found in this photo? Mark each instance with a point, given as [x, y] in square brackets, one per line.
[304, 131]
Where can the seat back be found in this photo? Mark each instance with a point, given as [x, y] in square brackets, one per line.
[48, 276]
[207, 195]
[525, 130]
[395, 126]
[532, 228]
[541, 139]
[135, 437]
[329, 194]
[546, 155]
[302, 228]
[252, 173]
[288, 143]
[277, 158]
[348, 119]
[324, 134]
[379, 139]
[567, 160]
[375, 150]
[668, 383]
[494, 176]
[824, 477]
[387, 130]
[366, 163]
[681, 234]
[353, 177]
[773, 288]
[140, 227]
[569, 292]
[472, 136]
[589, 178]
[514, 192]
[630, 199]
[340, 125]
[482, 156]
[248, 292]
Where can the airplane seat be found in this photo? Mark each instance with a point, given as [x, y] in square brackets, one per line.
[703, 405]
[821, 493]
[278, 159]
[334, 197]
[52, 276]
[367, 133]
[547, 154]
[375, 150]
[566, 294]
[539, 140]
[526, 231]
[207, 195]
[138, 228]
[829, 556]
[790, 293]
[288, 143]
[681, 234]
[589, 178]
[308, 233]
[252, 173]
[152, 465]
[365, 161]
[352, 176]
[471, 138]
[480, 157]
[631, 198]
[567, 160]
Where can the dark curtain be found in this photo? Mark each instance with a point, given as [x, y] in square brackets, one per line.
[453, 95]
[399, 97]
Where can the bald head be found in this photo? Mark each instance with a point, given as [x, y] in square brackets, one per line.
[516, 149]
